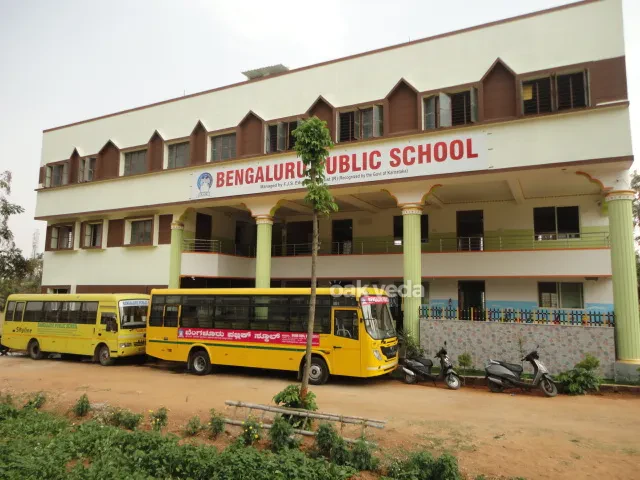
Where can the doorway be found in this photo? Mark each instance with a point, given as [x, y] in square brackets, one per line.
[341, 237]
[203, 233]
[245, 238]
[470, 230]
[299, 238]
[471, 299]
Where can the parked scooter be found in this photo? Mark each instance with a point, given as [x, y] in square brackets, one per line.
[419, 369]
[501, 375]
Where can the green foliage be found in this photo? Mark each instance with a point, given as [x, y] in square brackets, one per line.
[36, 445]
[82, 406]
[158, 419]
[582, 378]
[326, 437]
[411, 345]
[121, 417]
[313, 141]
[465, 361]
[290, 398]
[251, 431]
[216, 424]
[281, 435]
[194, 426]
[37, 401]
[362, 457]
[422, 466]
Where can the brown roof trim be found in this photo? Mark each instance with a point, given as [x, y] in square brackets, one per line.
[342, 59]
[493, 65]
[401, 82]
[591, 161]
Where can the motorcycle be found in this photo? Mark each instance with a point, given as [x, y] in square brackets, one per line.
[501, 375]
[420, 369]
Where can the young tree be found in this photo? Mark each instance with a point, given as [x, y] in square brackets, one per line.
[313, 141]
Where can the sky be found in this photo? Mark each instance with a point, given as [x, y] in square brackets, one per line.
[69, 60]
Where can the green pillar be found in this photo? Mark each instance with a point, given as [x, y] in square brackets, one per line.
[263, 251]
[412, 263]
[175, 255]
[623, 268]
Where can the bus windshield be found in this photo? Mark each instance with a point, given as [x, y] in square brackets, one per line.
[377, 318]
[133, 313]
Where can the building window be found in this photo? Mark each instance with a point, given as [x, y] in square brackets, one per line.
[178, 155]
[571, 91]
[135, 162]
[552, 223]
[279, 137]
[450, 109]
[57, 175]
[361, 123]
[93, 235]
[61, 237]
[141, 232]
[560, 295]
[398, 229]
[86, 169]
[223, 147]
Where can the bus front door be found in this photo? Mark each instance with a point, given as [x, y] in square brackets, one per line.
[107, 329]
[346, 344]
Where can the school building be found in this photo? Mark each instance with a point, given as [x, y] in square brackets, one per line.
[490, 165]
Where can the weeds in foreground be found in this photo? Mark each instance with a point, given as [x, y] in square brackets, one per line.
[82, 406]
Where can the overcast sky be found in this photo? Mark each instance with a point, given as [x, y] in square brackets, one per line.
[70, 60]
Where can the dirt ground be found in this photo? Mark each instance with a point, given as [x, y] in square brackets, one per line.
[497, 435]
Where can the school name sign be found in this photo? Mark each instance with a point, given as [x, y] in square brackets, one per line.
[346, 165]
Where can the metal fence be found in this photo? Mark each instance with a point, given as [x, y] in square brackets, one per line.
[542, 316]
[218, 246]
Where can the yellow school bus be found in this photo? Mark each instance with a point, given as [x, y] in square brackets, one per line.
[102, 326]
[266, 328]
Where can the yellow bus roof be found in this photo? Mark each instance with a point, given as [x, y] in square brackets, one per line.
[77, 297]
[353, 291]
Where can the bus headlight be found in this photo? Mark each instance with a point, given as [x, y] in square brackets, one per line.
[125, 345]
[377, 354]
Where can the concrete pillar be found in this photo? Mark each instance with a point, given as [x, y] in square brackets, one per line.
[411, 255]
[263, 251]
[625, 284]
[175, 255]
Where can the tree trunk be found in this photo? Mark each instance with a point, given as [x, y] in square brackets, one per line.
[312, 308]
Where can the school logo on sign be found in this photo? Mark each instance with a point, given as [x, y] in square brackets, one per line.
[204, 184]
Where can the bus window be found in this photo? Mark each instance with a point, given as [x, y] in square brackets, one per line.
[33, 313]
[89, 313]
[133, 313]
[8, 313]
[171, 315]
[346, 323]
[17, 316]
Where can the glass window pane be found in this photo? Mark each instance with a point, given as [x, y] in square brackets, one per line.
[544, 220]
[548, 294]
[571, 295]
[568, 220]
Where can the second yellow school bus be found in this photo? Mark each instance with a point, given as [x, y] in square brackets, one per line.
[266, 328]
[102, 326]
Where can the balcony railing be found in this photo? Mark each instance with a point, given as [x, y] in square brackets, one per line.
[488, 243]
[543, 316]
[218, 246]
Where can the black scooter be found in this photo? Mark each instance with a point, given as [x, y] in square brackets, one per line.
[420, 369]
[501, 375]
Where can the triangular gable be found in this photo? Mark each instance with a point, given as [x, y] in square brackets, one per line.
[494, 64]
[402, 81]
[318, 100]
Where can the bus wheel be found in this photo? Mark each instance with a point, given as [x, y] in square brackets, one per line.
[199, 363]
[34, 350]
[104, 356]
[319, 372]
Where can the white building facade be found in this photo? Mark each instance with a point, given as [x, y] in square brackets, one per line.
[499, 180]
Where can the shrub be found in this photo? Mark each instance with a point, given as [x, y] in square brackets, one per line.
[290, 398]
[362, 457]
[582, 378]
[121, 417]
[326, 437]
[465, 362]
[159, 419]
[194, 426]
[411, 345]
[216, 424]
[422, 466]
[281, 435]
[251, 431]
[37, 401]
[82, 406]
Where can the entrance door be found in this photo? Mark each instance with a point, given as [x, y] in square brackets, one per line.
[299, 238]
[470, 230]
[471, 300]
[341, 236]
[346, 344]
[203, 233]
[109, 335]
